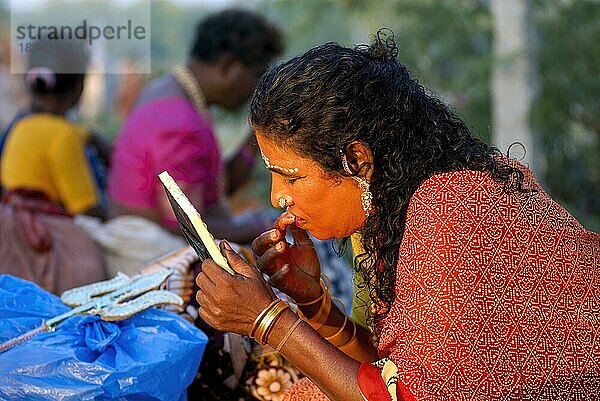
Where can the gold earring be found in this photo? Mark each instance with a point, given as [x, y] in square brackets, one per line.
[366, 197]
[282, 202]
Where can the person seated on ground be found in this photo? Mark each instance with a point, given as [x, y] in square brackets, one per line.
[47, 178]
[481, 286]
[171, 129]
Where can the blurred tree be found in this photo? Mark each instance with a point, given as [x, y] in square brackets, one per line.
[172, 28]
[514, 82]
[445, 43]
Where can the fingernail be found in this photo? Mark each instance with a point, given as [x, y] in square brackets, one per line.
[227, 246]
[279, 246]
[274, 234]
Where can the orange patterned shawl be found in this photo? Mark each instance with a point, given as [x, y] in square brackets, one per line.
[498, 296]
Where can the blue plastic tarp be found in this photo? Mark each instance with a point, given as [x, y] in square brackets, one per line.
[151, 356]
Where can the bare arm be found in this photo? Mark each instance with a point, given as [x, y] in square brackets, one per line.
[219, 297]
[334, 372]
[295, 270]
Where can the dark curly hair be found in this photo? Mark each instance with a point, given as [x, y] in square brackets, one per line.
[247, 36]
[321, 101]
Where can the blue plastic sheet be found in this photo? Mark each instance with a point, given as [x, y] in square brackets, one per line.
[151, 356]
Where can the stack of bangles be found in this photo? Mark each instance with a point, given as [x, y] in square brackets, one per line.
[318, 320]
[264, 322]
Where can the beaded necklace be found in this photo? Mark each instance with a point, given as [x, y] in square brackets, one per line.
[188, 82]
[190, 86]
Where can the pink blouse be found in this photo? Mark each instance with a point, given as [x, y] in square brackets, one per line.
[164, 134]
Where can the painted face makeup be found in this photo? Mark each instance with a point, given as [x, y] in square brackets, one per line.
[274, 167]
[326, 206]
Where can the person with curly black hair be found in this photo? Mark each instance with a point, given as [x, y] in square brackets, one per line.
[476, 284]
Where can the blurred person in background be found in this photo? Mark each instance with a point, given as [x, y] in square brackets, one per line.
[170, 128]
[49, 172]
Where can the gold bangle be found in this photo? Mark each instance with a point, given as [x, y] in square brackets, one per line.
[260, 316]
[271, 323]
[351, 340]
[263, 328]
[344, 312]
[319, 320]
[341, 329]
[337, 333]
[288, 334]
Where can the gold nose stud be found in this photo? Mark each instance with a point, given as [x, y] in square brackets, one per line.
[281, 202]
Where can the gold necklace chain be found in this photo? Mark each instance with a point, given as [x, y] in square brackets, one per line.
[189, 83]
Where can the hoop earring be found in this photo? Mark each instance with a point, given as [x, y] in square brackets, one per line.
[366, 197]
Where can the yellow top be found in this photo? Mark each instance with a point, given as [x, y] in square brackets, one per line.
[44, 152]
[359, 309]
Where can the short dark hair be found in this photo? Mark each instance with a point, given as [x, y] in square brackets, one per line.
[249, 37]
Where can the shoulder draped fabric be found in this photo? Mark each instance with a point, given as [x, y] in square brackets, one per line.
[497, 296]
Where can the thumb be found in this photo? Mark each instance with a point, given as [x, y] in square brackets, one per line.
[237, 263]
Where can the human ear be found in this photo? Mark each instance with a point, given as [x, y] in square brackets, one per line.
[360, 159]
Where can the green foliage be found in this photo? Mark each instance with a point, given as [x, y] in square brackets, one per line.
[172, 28]
[567, 111]
[448, 45]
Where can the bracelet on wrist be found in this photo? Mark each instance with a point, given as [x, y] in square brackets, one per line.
[318, 320]
[352, 339]
[261, 331]
[334, 336]
[288, 334]
[260, 316]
